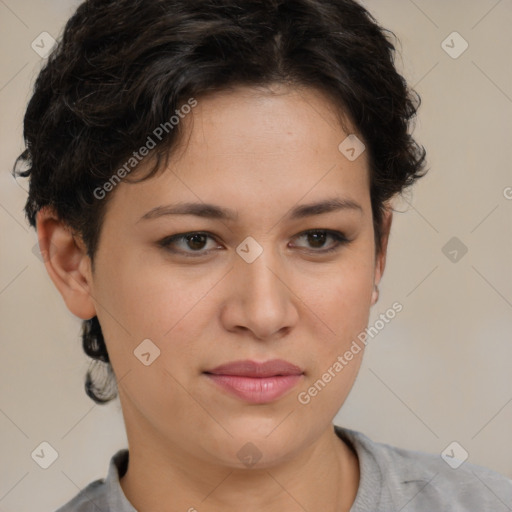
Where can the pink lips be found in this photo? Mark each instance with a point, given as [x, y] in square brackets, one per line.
[254, 382]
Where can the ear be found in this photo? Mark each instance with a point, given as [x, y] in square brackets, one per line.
[67, 263]
[380, 259]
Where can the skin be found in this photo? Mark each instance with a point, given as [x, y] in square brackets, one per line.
[261, 153]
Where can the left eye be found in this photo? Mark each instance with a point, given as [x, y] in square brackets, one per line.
[319, 236]
[197, 240]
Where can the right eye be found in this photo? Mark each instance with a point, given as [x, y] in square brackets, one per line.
[195, 240]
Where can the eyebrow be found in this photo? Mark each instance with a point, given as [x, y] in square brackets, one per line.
[212, 211]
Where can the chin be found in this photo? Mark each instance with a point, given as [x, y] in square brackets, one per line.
[258, 443]
[249, 455]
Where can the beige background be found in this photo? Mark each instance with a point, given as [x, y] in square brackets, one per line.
[439, 372]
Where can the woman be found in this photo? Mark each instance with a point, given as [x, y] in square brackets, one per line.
[212, 185]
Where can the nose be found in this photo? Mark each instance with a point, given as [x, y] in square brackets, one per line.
[260, 298]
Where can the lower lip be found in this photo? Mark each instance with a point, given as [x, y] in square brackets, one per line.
[256, 390]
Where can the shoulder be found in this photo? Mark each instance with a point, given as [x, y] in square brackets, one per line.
[420, 481]
[88, 499]
[105, 493]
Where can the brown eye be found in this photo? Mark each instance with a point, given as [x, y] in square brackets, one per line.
[195, 241]
[316, 239]
[187, 243]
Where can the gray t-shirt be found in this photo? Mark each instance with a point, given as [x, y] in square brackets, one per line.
[392, 480]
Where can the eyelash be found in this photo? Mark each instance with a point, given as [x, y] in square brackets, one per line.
[166, 242]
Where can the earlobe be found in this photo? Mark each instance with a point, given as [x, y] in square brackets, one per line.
[375, 294]
[66, 262]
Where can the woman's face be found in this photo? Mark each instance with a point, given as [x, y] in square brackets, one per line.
[248, 287]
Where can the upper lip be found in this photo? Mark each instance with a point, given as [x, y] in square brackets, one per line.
[248, 368]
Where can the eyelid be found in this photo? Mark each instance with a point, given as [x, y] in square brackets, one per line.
[166, 242]
[339, 237]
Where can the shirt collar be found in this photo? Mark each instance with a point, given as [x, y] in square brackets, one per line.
[116, 499]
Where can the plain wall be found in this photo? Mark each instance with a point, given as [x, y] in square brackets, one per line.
[438, 372]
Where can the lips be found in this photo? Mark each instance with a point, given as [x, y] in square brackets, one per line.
[254, 382]
[272, 368]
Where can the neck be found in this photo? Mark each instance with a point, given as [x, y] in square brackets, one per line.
[324, 476]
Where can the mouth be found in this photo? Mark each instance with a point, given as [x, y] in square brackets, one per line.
[256, 383]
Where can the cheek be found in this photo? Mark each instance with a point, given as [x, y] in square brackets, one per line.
[174, 310]
[342, 296]
[148, 298]
[141, 303]
[334, 358]
[341, 300]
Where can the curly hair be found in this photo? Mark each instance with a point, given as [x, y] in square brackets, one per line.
[123, 67]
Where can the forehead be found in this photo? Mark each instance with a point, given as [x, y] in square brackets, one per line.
[251, 145]
[260, 119]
